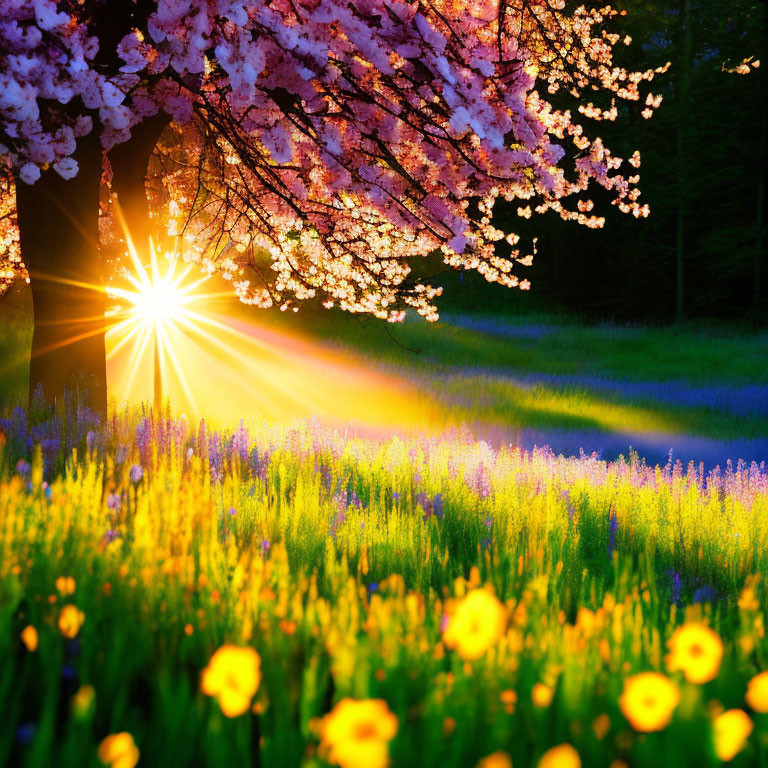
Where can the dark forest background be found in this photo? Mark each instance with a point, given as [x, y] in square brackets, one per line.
[701, 253]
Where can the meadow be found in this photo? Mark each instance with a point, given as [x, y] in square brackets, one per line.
[176, 592]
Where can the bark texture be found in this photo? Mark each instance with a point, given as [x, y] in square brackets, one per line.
[59, 235]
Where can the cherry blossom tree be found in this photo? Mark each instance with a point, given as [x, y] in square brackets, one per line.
[315, 147]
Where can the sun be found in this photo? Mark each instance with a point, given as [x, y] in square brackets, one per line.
[153, 300]
[151, 308]
[158, 302]
[157, 299]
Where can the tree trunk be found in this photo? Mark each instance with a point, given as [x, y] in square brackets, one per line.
[129, 163]
[59, 232]
[59, 236]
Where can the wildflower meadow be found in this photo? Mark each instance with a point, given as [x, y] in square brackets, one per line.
[290, 596]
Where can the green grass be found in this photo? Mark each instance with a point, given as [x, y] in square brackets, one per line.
[701, 354]
[15, 341]
[474, 374]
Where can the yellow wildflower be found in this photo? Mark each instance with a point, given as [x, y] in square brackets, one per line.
[65, 585]
[233, 676]
[697, 651]
[356, 734]
[70, 621]
[508, 698]
[542, 695]
[498, 759]
[732, 729]
[562, 756]
[601, 726]
[748, 599]
[477, 624]
[648, 701]
[119, 751]
[29, 638]
[757, 693]
[83, 700]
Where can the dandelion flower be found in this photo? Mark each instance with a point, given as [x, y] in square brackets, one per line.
[119, 751]
[29, 638]
[732, 729]
[648, 701]
[697, 651]
[757, 693]
[356, 734]
[477, 624]
[498, 759]
[562, 756]
[70, 621]
[233, 676]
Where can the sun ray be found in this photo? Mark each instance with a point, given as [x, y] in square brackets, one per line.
[154, 307]
[132, 333]
[180, 375]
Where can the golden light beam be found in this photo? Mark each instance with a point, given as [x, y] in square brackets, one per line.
[235, 368]
[181, 377]
[152, 309]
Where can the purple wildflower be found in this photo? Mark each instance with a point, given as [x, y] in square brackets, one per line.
[705, 594]
[240, 443]
[676, 584]
[136, 473]
[613, 525]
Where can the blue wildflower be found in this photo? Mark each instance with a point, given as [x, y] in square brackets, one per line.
[613, 526]
[26, 732]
